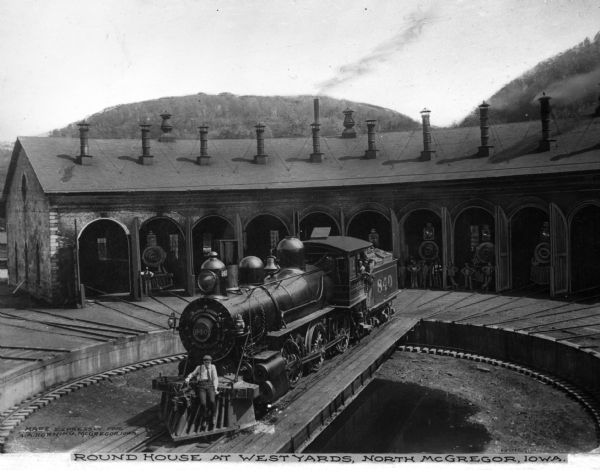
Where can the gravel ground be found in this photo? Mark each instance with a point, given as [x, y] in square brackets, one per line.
[106, 407]
[520, 414]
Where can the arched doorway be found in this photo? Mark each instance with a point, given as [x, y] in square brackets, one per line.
[372, 226]
[104, 262]
[262, 235]
[585, 249]
[317, 219]
[530, 249]
[163, 252]
[214, 233]
[474, 252]
[423, 250]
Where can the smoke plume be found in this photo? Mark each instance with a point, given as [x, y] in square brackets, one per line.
[574, 88]
[379, 54]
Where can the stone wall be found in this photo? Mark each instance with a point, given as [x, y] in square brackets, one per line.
[28, 232]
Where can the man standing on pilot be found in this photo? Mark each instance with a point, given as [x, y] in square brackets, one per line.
[208, 388]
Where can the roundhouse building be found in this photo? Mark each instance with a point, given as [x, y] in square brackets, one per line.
[490, 208]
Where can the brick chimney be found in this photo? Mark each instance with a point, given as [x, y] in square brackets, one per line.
[84, 153]
[145, 158]
[203, 158]
[427, 151]
[371, 151]
[348, 132]
[316, 156]
[260, 157]
[166, 128]
[545, 110]
[484, 148]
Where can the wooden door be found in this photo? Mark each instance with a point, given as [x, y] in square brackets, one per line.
[502, 242]
[559, 243]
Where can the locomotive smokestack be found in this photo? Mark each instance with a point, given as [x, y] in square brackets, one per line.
[260, 157]
[166, 128]
[203, 158]
[371, 151]
[484, 149]
[81, 159]
[545, 110]
[145, 158]
[427, 151]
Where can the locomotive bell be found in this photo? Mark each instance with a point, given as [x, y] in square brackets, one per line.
[212, 278]
[271, 266]
[251, 271]
[290, 253]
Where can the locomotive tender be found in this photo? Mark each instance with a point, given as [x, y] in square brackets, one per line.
[278, 323]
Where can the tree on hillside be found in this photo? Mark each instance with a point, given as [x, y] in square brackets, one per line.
[571, 78]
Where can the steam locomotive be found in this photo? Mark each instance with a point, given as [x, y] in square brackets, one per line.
[279, 322]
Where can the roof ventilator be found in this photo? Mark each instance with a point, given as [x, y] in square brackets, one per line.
[348, 132]
[545, 111]
[316, 156]
[484, 148]
[84, 152]
[204, 157]
[145, 158]
[166, 128]
[371, 151]
[427, 152]
[260, 157]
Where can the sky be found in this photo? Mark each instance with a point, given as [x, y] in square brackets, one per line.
[63, 60]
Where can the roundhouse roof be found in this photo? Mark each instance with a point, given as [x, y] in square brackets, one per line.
[114, 166]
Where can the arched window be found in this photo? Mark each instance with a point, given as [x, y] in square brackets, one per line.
[24, 186]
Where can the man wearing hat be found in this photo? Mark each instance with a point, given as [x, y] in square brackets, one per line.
[208, 387]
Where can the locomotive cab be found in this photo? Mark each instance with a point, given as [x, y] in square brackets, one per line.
[341, 256]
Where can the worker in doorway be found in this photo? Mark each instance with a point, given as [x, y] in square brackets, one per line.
[208, 388]
[467, 273]
[146, 276]
[488, 272]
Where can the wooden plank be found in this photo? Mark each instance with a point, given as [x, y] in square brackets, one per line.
[308, 408]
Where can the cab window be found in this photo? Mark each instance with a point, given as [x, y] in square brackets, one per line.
[352, 267]
[342, 269]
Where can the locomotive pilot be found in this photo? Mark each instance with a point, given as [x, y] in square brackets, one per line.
[208, 387]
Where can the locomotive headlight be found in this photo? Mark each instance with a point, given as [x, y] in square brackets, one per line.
[207, 281]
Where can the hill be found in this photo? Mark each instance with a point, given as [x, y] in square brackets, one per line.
[230, 116]
[6, 149]
[571, 78]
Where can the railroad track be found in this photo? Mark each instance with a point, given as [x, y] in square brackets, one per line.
[15, 415]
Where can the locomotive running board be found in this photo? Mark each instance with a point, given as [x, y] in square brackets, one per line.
[276, 336]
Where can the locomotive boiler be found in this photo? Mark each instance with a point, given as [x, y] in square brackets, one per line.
[280, 322]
